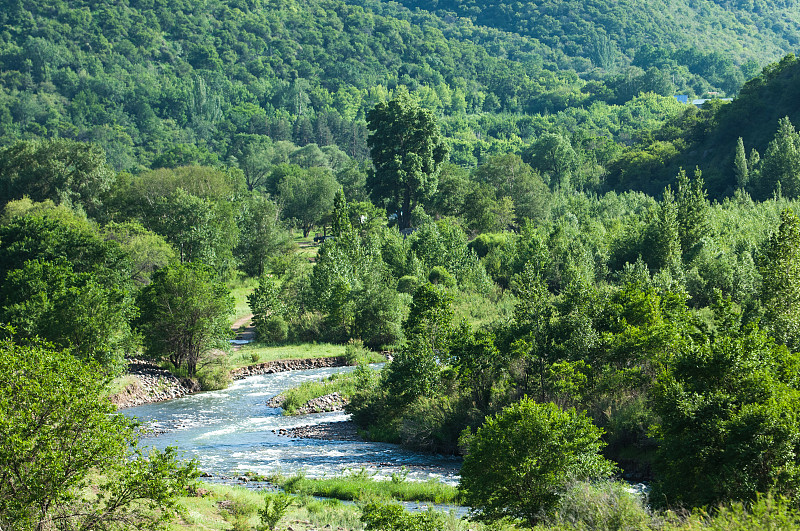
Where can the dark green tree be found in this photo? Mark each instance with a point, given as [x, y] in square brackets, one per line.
[781, 162]
[692, 212]
[780, 286]
[740, 170]
[184, 313]
[407, 150]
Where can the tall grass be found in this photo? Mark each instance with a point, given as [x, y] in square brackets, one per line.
[362, 486]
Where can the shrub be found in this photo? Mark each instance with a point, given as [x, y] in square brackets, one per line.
[214, 372]
[521, 461]
[441, 276]
[408, 284]
[392, 517]
[275, 507]
[603, 506]
[355, 352]
[273, 329]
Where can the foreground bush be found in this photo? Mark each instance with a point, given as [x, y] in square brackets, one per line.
[58, 436]
[521, 462]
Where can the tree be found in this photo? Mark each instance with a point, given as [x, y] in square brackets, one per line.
[66, 462]
[554, 156]
[781, 162]
[510, 177]
[60, 170]
[63, 282]
[692, 212]
[254, 155]
[740, 170]
[307, 196]
[729, 421]
[407, 150]
[184, 313]
[522, 460]
[73, 310]
[261, 234]
[780, 285]
[146, 250]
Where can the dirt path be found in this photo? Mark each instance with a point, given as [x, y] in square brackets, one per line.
[248, 333]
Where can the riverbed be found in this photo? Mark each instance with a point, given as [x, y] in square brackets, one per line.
[232, 431]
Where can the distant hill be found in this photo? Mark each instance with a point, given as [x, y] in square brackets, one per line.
[706, 138]
[609, 32]
[160, 83]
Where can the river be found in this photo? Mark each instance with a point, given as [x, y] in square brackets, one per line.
[233, 431]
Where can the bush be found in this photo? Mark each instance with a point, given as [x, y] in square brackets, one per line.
[275, 507]
[520, 462]
[408, 284]
[604, 506]
[392, 517]
[273, 329]
[355, 352]
[441, 276]
[487, 241]
[433, 424]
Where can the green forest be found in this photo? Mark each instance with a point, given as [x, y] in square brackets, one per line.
[577, 276]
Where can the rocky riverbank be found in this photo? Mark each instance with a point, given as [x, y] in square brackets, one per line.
[271, 367]
[154, 384]
[151, 384]
[330, 402]
[329, 431]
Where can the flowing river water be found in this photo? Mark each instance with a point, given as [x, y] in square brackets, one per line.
[233, 431]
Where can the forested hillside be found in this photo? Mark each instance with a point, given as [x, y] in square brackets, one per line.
[705, 37]
[164, 84]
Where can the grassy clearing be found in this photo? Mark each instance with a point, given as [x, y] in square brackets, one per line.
[259, 353]
[362, 486]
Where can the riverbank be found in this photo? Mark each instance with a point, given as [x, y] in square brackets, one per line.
[147, 383]
[274, 366]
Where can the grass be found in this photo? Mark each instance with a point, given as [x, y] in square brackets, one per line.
[362, 486]
[221, 507]
[306, 247]
[118, 384]
[259, 353]
[297, 397]
[240, 289]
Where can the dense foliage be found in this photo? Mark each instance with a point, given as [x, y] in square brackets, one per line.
[521, 461]
[595, 258]
[58, 436]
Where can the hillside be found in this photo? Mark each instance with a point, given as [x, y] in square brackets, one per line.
[702, 34]
[158, 83]
[707, 138]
